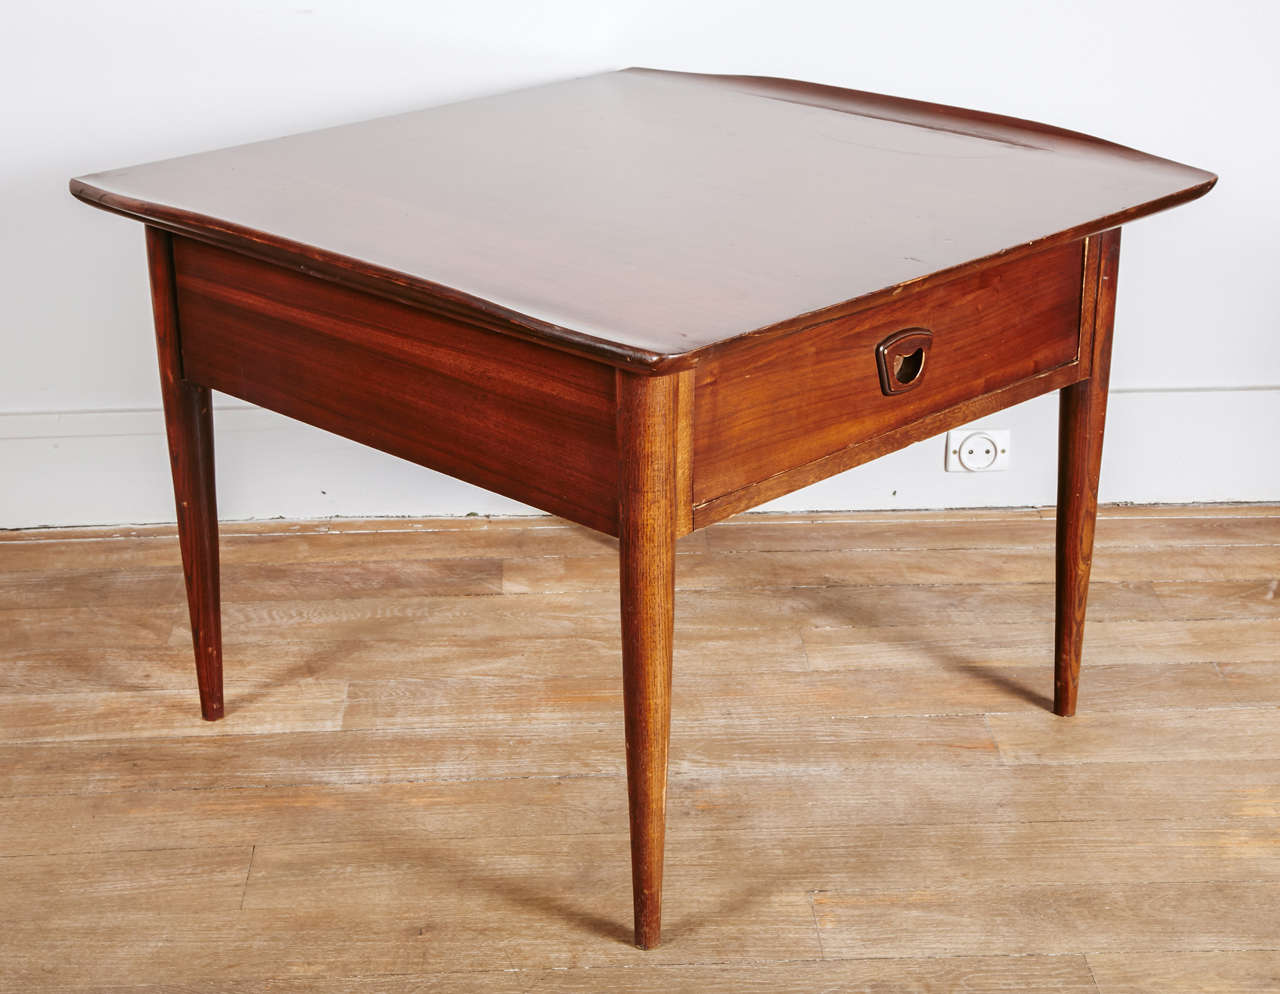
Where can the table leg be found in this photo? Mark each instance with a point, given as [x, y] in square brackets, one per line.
[189, 426]
[1081, 418]
[647, 438]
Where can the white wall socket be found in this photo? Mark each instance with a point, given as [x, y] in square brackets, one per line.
[977, 450]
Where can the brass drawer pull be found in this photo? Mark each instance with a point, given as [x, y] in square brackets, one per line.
[901, 358]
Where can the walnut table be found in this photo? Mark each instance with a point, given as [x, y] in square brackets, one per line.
[643, 301]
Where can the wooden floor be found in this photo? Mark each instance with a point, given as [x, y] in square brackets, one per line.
[419, 784]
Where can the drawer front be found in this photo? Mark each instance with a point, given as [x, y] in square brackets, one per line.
[516, 418]
[764, 408]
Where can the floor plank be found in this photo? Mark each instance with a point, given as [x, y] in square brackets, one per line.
[779, 805]
[304, 705]
[153, 881]
[1249, 971]
[562, 747]
[955, 530]
[249, 666]
[420, 782]
[275, 542]
[951, 688]
[1048, 919]
[456, 932]
[970, 974]
[1029, 644]
[42, 589]
[877, 567]
[1145, 736]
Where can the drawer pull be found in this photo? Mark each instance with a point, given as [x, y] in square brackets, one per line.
[901, 358]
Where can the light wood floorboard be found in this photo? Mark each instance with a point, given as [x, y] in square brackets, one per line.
[419, 785]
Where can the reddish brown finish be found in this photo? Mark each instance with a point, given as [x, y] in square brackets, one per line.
[642, 301]
[646, 218]
[684, 451]
[765, 407]
[1081, 419]
[873, 448]
[647, 444]
[531, 423]
[189, 426]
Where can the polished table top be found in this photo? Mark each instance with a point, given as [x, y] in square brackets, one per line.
[646, 217]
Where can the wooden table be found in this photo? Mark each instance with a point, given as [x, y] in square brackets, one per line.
[643, 301]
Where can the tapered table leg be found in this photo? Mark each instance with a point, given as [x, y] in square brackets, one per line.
[1081, 418]
[189, 426]
[647, 438]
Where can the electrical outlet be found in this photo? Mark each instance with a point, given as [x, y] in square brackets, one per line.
[977, 450]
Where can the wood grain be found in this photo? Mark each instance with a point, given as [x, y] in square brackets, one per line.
[781, 695]
[784, 482]
[1047, 919]
[971, 974]
[569, 746]
[765, 407]
[188, 418]
[426, 793]
[1151, 736]
[1138, 527]
[544, 574]
[915, 795]
[145, 880]
[533, 424]
[284, 706]
[1191, 532]
[754, 570]
[1082, 417]
[257, 582]
[453, 930]
[648, 440]
[1248, 971]
[1225, 643]
[276, 542]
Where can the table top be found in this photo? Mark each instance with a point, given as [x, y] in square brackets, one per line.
[648, 217]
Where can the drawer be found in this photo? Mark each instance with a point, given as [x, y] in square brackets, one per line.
[765, 407]
[516, 418]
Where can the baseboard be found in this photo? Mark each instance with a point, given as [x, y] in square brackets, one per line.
[110, 467]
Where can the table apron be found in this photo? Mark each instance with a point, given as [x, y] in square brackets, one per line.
[771, 416]
[541, 426]
[529, 422]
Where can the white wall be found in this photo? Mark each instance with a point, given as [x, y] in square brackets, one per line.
[87, 86]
